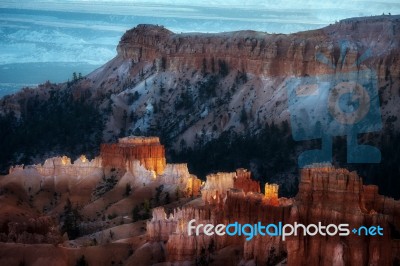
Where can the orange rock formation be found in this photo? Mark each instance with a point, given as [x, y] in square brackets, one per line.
[326, 195]
[217, 185]
[147, 150]
[244, 182]
[271, 194]
[256, 52]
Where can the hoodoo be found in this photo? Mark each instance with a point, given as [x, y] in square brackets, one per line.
[147, 150]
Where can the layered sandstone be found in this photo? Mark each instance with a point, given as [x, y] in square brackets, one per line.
[244, 182]
[217, 185]
[56, 174]
[271, 194]
[262, 53]
[179, 174]
[326, 195]
[184, 247]
[330, 195]
[148, 151]
[61, 166]
[162, 226]
[253, 207]
[372, 202]
[141, 159]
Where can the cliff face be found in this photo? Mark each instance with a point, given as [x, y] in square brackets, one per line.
[140, 160]
[195, 87]
[337, 196]
[244, 182]
[191, 88]
[33, 195]
[148, 151]
[215, 77]
[326, 195]
[179, 174]
[59, 166]
[261, 53]
[217, 185]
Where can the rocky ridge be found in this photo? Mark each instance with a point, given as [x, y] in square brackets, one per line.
[326, 195]
[190, 89]
[45, 193]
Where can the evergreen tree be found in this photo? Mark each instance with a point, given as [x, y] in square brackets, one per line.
[82, 261]
[128, 190]
[71, 221]
[243, 116]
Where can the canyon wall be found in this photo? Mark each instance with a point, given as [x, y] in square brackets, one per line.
[179, 174]
[330, 195]
[61, 166]
[147, 150]
[266, 54]
[142, 157]
[326, 195]
[271, 194]
[244, 182]
[217, 185]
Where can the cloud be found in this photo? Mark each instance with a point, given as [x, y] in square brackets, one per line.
[123, 6]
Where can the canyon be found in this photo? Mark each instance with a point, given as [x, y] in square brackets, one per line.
[111, 184]
[160, 76]
[326, 195]
[36, 200]
[191, 89]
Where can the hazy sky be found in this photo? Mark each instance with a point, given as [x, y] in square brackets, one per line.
[290, 12]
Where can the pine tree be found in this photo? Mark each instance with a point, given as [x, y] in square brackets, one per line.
[71, 221]
[82, 261]
[243, 116]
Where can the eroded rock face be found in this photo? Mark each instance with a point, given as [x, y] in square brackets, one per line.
[173, 230]
[330, 195]
[160, 227]
[261, 53]
[179, 174]
[96, 190]
[59, 166]
[326, 195]
[55, 174]
[244, 182]
[271, 194]
[141, 158]
[148, 151]
[217, 185]
[33, 231]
